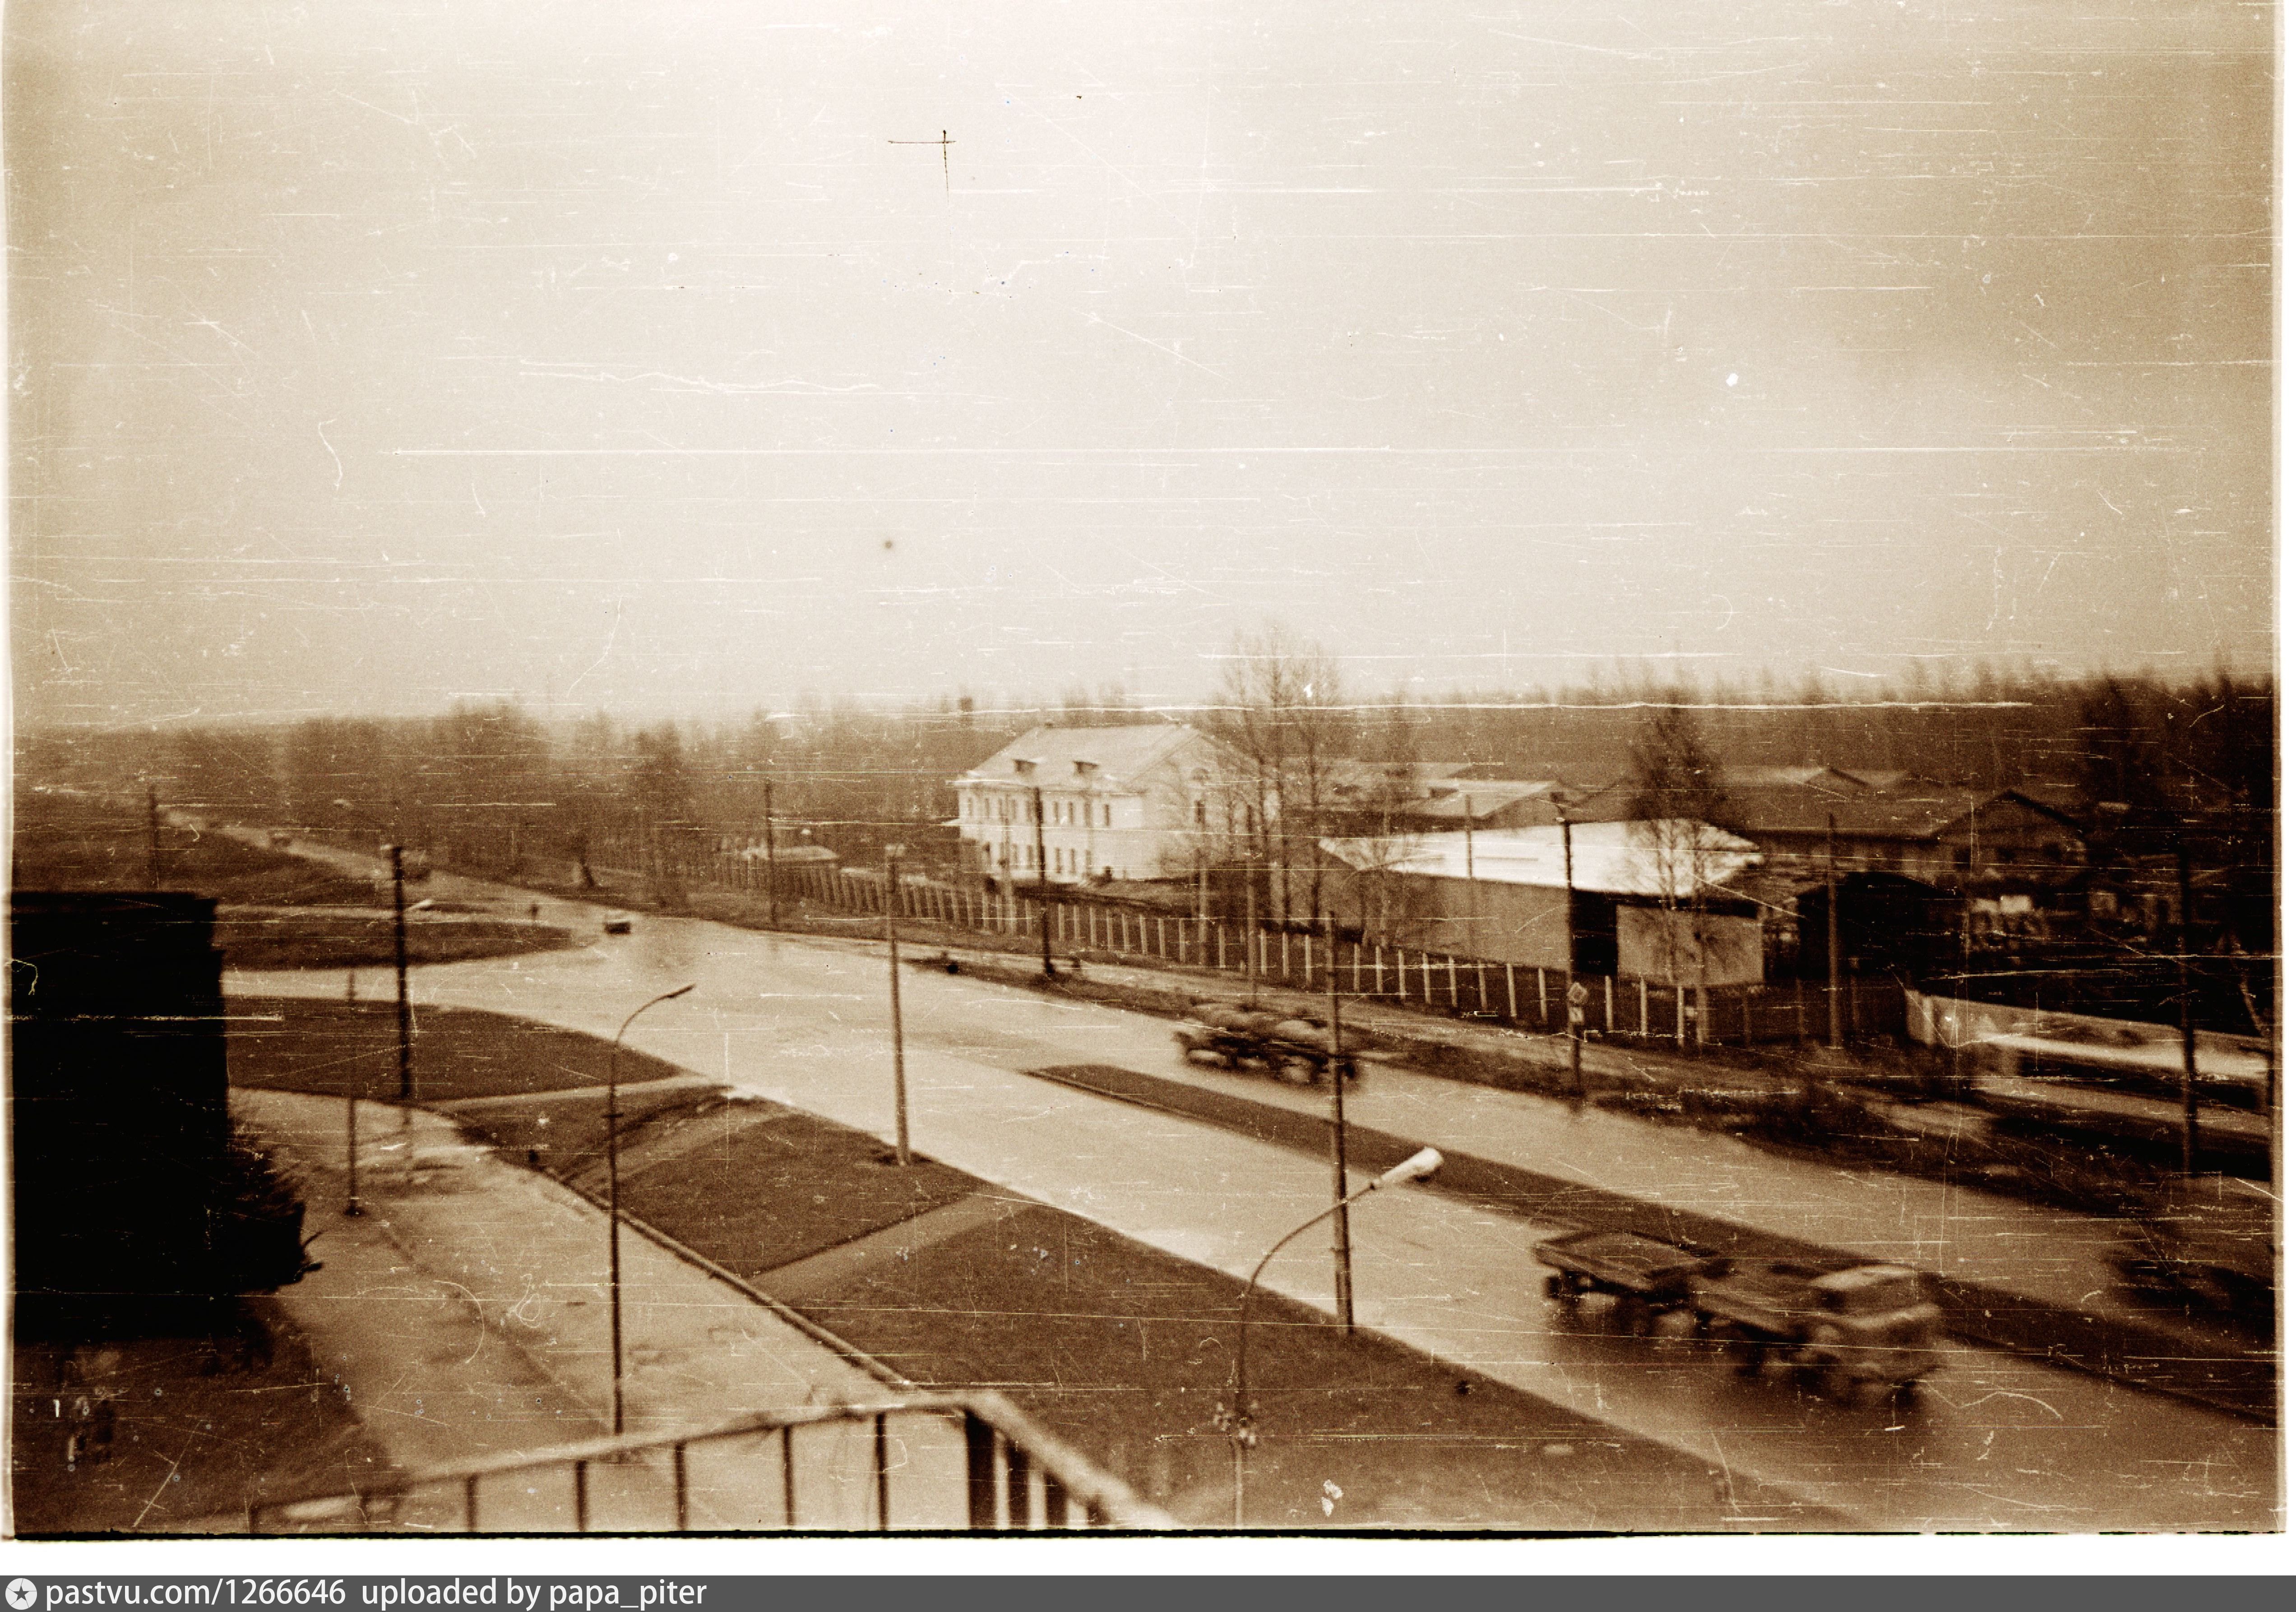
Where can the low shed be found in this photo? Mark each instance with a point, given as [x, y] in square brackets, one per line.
[1652, 900]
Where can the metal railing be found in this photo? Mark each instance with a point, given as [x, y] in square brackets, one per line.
[922, 1463]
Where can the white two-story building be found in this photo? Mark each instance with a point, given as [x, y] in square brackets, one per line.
[1156, 800]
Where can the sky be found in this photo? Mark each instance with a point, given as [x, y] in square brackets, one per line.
[660, 359]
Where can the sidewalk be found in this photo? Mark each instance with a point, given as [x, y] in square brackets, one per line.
[465, 1312]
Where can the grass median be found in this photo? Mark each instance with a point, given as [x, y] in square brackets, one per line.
[1123, 1350]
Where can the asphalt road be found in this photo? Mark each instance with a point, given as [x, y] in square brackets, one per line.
[1992, 1442]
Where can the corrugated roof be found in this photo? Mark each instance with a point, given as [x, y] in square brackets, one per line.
[1121, 754]
[1609, 858]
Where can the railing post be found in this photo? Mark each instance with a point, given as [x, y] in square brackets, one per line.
[979, 1473]
[884, 1479]
[1016, 1485]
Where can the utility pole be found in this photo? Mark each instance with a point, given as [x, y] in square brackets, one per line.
[151, 856]
[1343, 1268]
[2192, 1093]
[1474, 896]
[1574, 995]
[1250, 935]
[773, 884]
[399, 961]
[893, 964]
[1044, 880]
[1833, 942]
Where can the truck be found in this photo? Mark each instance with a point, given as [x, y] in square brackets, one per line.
[1865, 1331]
[1857, 1332]
[1294, 1050]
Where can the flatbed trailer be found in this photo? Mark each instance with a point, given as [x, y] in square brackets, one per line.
[1645, 1277]
[1855, 1331]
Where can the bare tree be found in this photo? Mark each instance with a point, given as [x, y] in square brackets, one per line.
[1677, 794]
[1372, 810]
[1280, 709]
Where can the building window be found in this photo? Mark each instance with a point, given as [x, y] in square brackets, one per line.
[1104, 817]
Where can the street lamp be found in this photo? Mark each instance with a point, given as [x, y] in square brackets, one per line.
[1241, 1422]
[614, 1194]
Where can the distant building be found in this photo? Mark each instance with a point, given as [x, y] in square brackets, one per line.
[1649, 900]
[1951, 837]
[1152, 801]
[1435, 797]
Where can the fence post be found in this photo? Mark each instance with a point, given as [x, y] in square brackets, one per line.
[1681, 1023]
[1512, 1015]
[1220, 943]
[1746, 1013]
[1541, 972]
[1354, 980]
[1642, 992]
[1610, 1006]
[1482, 989]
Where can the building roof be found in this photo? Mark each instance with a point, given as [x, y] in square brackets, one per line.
[1917, 810]
[1348, 777]
[1609, 858]
[1431, 795]
[1450, 798]
[1770, 778]
[1120, 756]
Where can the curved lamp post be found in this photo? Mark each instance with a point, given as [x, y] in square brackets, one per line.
[614, 1194]
[1241, 1422]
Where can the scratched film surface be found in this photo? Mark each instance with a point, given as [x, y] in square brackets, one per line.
[1299, 767]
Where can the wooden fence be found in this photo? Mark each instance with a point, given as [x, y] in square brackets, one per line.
[1518, 994]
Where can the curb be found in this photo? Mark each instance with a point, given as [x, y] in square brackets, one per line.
[2124, 1351]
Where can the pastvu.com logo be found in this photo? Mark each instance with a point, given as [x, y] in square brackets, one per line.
[22, 1593]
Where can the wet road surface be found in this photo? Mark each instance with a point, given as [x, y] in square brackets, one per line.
[1990, 1443]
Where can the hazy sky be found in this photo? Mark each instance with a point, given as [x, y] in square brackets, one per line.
[364, 356]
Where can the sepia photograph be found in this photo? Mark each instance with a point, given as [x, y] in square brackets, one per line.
[1383, 771]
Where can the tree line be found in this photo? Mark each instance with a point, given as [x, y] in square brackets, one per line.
[2140, 760]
